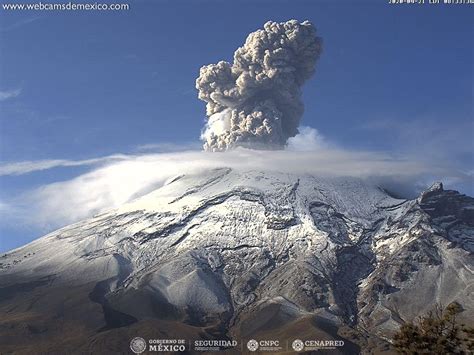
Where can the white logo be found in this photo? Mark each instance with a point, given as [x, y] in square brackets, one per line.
[138, 345]
[252, 345]
[297, 345]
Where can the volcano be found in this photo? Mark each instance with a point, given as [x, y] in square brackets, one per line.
[230, 254]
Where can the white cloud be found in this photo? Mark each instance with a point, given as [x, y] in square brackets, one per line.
[116, 181]
[9, 94]
[309, 139]
[217, 124]
[25, 167]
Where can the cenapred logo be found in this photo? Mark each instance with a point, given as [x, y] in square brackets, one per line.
[297, 345]
[138, 345]
[252, 345]
[316, 344]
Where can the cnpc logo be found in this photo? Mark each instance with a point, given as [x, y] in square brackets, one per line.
[264, 345]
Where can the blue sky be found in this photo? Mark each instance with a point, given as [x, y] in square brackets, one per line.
[82, 85]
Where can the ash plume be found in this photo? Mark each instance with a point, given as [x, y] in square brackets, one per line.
[256, 100]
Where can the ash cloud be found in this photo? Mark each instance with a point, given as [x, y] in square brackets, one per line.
[256, 100]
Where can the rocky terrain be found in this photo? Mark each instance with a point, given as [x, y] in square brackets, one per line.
[231, 254]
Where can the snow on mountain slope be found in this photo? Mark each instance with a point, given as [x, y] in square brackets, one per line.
[248, 207]
[222, 246]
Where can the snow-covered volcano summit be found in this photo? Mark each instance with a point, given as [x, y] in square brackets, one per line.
[236, 254]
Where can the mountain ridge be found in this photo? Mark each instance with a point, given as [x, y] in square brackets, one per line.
[227, 253]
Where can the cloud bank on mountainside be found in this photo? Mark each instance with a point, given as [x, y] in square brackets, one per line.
[113, 182]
